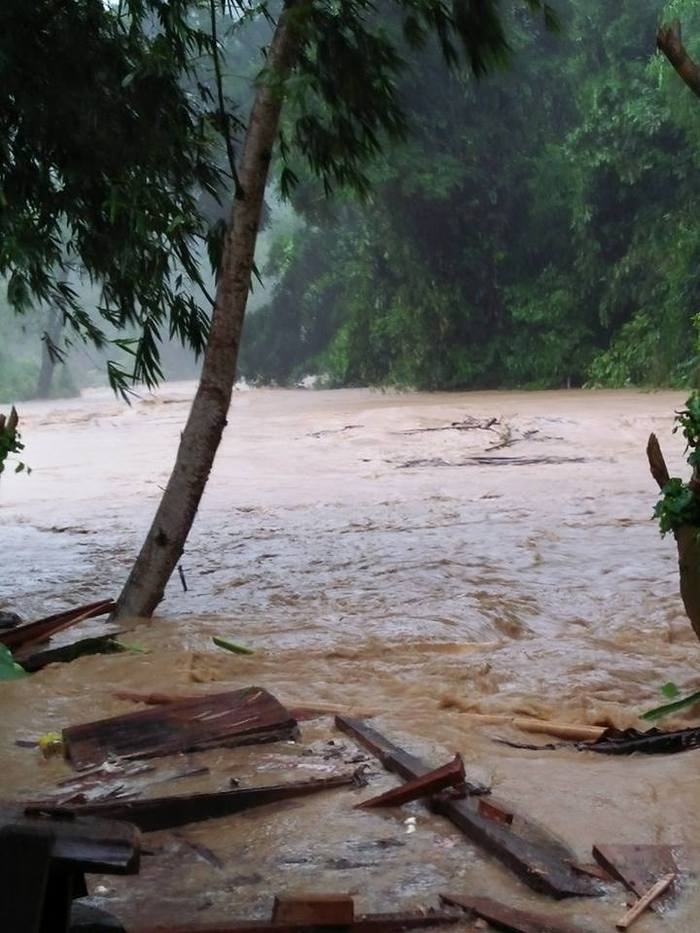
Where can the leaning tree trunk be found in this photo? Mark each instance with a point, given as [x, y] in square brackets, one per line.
[687, 538]
[200, 439]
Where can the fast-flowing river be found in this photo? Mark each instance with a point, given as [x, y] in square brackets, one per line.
[351, 539]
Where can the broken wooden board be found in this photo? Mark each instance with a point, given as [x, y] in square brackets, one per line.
[645, 901]
[540, 863]
[90, 845]
[314, 909]
[449, 775]
[239, 717]
[638, 866]
[168, 812]
[503, 917]
[41, 630]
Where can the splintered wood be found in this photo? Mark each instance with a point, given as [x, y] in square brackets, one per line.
[239, 717]
[636, 866]
[35, 632]
[157, 813]
[656, 890]
[536, 858]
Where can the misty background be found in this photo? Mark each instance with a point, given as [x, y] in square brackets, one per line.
[538, 229]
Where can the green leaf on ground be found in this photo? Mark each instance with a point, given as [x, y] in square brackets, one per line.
[230, 646]
[660, 711]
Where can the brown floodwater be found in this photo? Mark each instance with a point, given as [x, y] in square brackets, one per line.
[374, 567]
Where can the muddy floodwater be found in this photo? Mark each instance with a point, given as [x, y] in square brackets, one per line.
[375, 567]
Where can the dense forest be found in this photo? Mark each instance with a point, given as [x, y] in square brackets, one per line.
[537, 227]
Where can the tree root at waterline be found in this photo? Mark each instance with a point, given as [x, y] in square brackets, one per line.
[687, 538]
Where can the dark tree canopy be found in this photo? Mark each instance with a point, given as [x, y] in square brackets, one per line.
[111, 118]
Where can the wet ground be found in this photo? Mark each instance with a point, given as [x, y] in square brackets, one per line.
[375, 566]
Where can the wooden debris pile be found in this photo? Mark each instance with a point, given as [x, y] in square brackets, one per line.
[93, 824]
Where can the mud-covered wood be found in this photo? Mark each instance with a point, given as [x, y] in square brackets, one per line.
[638, 867]
[168, 812]
[503, 917]
[35, 632]
[544, 866]
[449, 775]
[239, 717]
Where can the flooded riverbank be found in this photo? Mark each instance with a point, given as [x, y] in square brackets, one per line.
[373, 566]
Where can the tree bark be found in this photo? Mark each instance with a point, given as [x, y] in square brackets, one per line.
[668, 41]
[48, 361]
[687, 540]
[200, 439]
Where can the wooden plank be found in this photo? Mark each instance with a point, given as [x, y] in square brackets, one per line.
[239, 717]
[43, 629]
[656, 890]
[449, 775]
[637, 866]
[541, 864]
[314, 909]
[503, 917]
[364, 923]
[168, 812]
[90, 845]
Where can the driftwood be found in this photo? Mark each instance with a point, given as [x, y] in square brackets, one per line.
[651, 742]
[503, 917]
[33, 661]
[562, 730]
[449, 775]
[490, 461]
[240, 717]
[636, 866]
[41, 630]
[645, 901]
[157, 813]
[540, 862]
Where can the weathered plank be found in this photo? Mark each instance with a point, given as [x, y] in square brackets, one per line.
[43, 629]
[314, 909]
[541, 864]
[168, 812]
[637, 866]
[239, 717]
[503, 917]
[449, 775]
